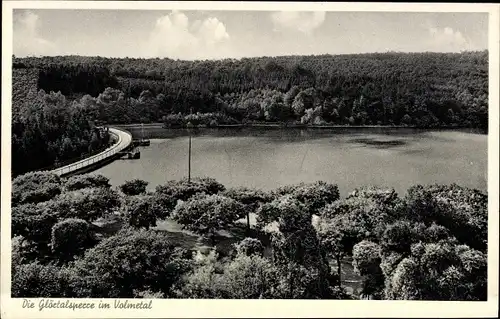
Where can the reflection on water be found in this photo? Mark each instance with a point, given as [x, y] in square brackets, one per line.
[268, 158]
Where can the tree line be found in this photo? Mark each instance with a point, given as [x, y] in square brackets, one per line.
[429, 244]
[416, 89]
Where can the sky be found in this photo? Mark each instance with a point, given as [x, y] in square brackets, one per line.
[194, 35]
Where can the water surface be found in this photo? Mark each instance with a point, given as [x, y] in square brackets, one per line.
[268, 158]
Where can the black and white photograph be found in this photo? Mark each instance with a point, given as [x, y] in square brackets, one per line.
[295, 152]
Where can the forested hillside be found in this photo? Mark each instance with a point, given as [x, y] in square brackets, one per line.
[417, 89]
[48, 130]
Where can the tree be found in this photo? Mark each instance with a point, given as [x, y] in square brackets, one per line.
[35, 187]
[344, 223]
[406, 120]
[85, 181]
[71, 237]
[399, 237]
[48, 129]
[131, 260]
[290, 96]
[35, 280]
[142, 211]
[250, 277]
[337, 236]
[439, 271]
[185, 189]
[244, 277]
[313, 195]
[367, 88]
[33, 222]
[250, 198]
[88, 204]
[163, 204]
[298, 106]
[461, 210]
[296, 249]
[205, 214]
[249, 246]
[134, 187]
[366, 261]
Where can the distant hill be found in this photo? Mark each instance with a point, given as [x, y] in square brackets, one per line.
[420, 89]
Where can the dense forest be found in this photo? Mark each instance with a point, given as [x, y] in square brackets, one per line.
[79, 237]
[415, 89]
[48, 131]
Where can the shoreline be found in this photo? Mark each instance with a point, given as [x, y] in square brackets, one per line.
[159, 125]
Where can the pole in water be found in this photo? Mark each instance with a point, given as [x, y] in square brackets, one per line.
[189, 159]
[189, 125]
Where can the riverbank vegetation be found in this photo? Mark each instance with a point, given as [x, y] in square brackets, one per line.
[414, 89]
[80, 237]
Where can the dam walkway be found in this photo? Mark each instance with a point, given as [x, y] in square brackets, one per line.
[123, 141]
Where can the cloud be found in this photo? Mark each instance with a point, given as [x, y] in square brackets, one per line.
[448, 39]
[304, 22]
[26, 40]
[175, 37]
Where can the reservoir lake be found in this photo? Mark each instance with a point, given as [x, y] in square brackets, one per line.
[267, 158]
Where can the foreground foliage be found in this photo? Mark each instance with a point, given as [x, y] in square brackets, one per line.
[429, 244]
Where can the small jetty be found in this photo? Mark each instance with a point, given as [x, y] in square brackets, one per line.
[131, 154]
[142, 141]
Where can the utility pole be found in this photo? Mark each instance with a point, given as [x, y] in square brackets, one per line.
[189, 125]
[189, 161]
